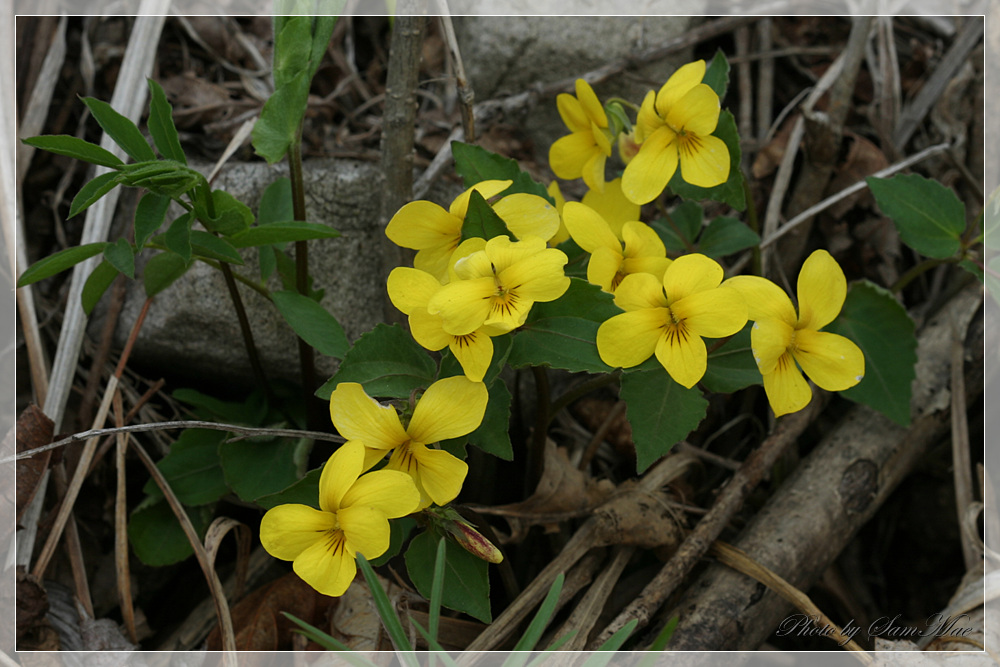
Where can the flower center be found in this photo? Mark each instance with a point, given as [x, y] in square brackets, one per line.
[403, 458]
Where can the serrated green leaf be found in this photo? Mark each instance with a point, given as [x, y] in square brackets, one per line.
[467, 581]
[282, 232]
[717, 74]
[76, 148]
[156, 535]
[122, 257]
[312, 323]
[249, 412]
[123, 131]
[255, 468]
[59, 262]
[211, 246]
[178, 236]
[481, 221]
[930, 217]
[276, 203]
[92, 191]
[149, 216]
[731, 192]
[724, 236]
[161, 124]
[399, 532]
[387, 362]
[162, 270]
[292, 46]
[731, 367]
[569, 343]
[302, 492]
[192, 468]
[581, 299]
[476, 164]
[661, 413]
[881, 327]
[493, 434]
[97, 284]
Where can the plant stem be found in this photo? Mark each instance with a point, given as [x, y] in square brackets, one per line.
[248, 343]
[543, 408]
[754, 225]
[916, 270]
[307, 358]
[581, 390]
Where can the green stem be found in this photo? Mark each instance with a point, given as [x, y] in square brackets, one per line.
[248, 343]
[919, 269]
[256, 287]
[543, 413]
[307, 359]
[753, 223]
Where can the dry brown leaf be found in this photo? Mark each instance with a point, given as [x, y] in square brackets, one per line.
[33, 632]
[562, 492]
[638, 518]
[259, 623]
[34, 429]
[863, 159]
[196, 101]
[770, 155]
[355, 620]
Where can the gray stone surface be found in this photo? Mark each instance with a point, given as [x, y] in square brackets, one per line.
[505, 55]
[193, 322]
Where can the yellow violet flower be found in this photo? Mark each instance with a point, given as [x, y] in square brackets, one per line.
[498, 285]
[613, 205]
[584, 152]
[435, 233]
[609, 263]
[674, 126]
[669, 317]
[780, 338]
[450, 408]
[353, 518]
[557, 197]
[410, 290]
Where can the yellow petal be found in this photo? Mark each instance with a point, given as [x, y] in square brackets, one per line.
[683, 354]
[474, 352]
[603, 269]
[441, 474]
[640, 291]
[831, 361]
[612, 205]
[463, 305]
[340, 472]
[651, 169]
[288, 530]
[641, 240]
[591, 105]
[487, 189]
[602, 138]
[588, 228]
[428, 330]
[704, 160]
[366, 529]
[537, 278]
[572, 113]
[770, 339]
[593, 170]
[357, 416]
[557, 195]
[697, 112]
[389, 491]
[528, 215]
[568, 154]
[373, 456]
[327, 566]
[436, 260]
[787, 391]
[502, 252]
[822, 289]
[690, 274]
[423, 224]
[714, 313]
[647, 121]
[411, 289]
[629, 339]
[654, 266]
[764, 299]
[450, 408]
[678, 85]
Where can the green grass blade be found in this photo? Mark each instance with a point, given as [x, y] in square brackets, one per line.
[439, 652]
[328, 642]
[386, 611]
[437, 590]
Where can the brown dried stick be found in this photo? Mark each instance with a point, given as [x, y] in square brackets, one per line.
[708, 529]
